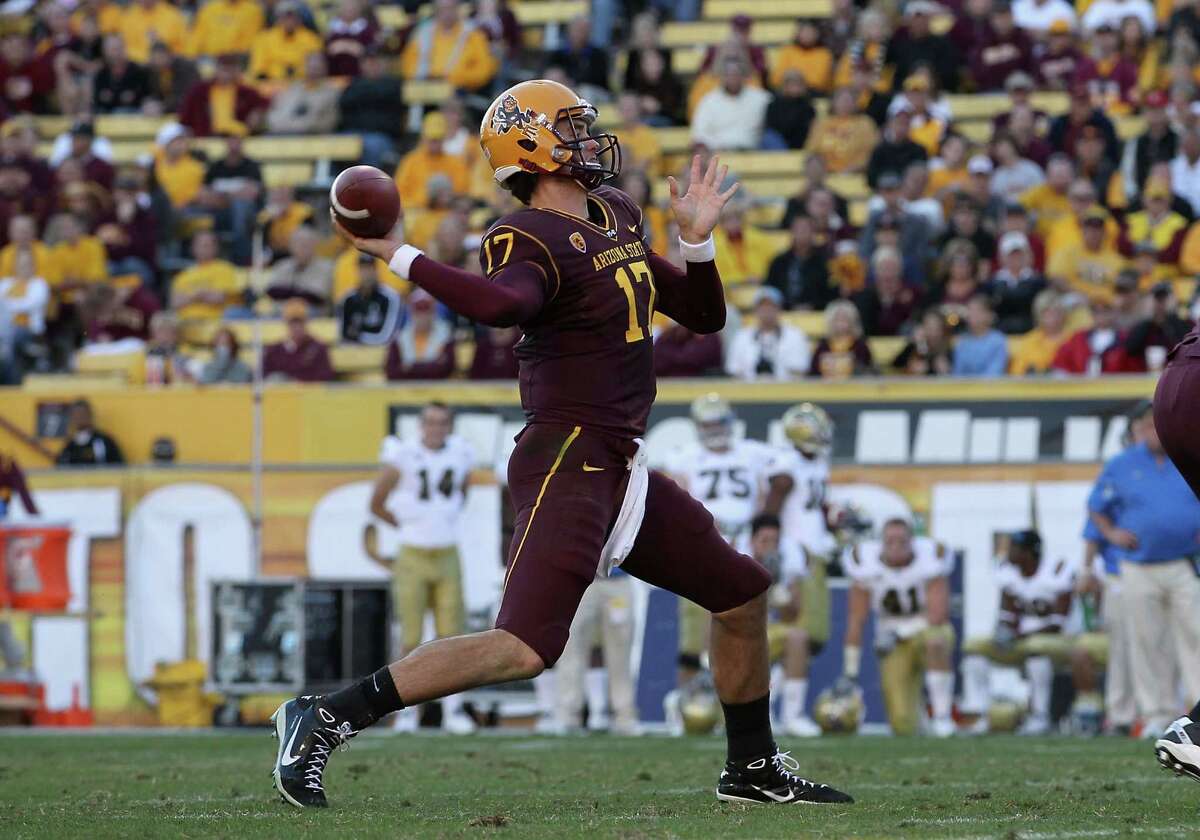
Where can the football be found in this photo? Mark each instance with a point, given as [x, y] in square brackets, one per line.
[365, 201]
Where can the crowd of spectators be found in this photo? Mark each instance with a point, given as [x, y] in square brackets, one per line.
[1047, 246]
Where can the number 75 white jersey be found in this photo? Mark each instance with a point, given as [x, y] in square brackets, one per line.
[729, 484]
[429, 499]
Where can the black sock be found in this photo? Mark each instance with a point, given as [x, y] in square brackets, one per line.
[366, 701]
[748, 729]
[1194, 714]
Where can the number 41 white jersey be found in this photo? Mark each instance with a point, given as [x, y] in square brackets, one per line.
[729, 484]
[897, 594]
[429, 499]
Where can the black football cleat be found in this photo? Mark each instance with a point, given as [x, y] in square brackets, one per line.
[770, 780]
[308, 732]
[1178, 750]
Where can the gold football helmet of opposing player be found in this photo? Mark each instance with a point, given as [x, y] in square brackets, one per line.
[809, 428]
[699, 706]
[714, 419]
[839, 709]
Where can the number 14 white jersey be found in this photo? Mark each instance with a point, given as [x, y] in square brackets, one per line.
[429, 499]
[803, 516]
[729, 484]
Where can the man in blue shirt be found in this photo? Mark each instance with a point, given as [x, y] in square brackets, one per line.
[1145, 510]
[983, 350]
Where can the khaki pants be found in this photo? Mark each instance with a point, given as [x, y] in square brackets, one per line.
[1119, 702]
[900, 676]
[1161, 602]
[1054, 645]
[606, 610]
[426, 579]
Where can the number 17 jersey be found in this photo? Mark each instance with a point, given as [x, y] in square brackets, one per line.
[429, 499]
[587, 358]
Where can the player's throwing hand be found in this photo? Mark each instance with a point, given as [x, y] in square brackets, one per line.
[697, 210]
[382, 249]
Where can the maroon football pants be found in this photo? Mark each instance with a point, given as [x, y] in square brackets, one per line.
[1177, 414]
[567, 484]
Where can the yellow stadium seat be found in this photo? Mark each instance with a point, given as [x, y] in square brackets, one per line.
[977, 131]
[427, 91]
[530, 13]
[1051, 101]
[859, 212]
[747, 164]
[811, 324]
[678, 34]
[674, 139]
[850, 186]
[978, 106]
[1130, 126]
[391, 17]
[357, 358]
[78, 382]
[273, 330]
[287, 174]
[885, 348]
[129, 367]
[764, 9]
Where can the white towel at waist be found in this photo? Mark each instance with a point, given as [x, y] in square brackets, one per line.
[629, 519]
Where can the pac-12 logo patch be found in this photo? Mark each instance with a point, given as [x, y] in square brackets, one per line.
[509, 115]
[576, 239]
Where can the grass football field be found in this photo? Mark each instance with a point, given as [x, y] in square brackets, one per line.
[218, 785]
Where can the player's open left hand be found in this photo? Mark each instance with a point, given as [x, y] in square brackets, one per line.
[697, 210]
[382, 249]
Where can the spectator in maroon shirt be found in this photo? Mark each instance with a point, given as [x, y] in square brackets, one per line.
[424, 347]
[249, 106]
[680, 352]
[122, 85]
[348, 37]
[12, 480]
[111, 314]
[888, 305]
[26, 81]
[1057, 65]
[1066, 129]
[1111, 78]
[494, 356]
[740, 26]
[1024, 125]
[501, 26]
[1007, 50]
[1019, 86]
[1099, 348]
[972, 27]
[18, 146]
[299, 357]
[95, 169]
[130, 235]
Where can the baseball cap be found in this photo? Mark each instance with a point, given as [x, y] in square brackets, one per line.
[1028, 538]
[889, 181]
[1156, 188]
[83, 128]
[917, 81]
[168, 133]
[1061, 26]
[1156, 99]
[980, 165]
[922, 7]
[1127, 281]
[1161, 289]
[1014, 240]
[1020, 80]
[741, 22]
[1095, 216]
[770, 293]
[888, 221]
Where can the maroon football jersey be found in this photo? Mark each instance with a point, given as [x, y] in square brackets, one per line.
[587, 358]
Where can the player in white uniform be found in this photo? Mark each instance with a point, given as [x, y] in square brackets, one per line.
[798, 489]
[728, 476]
[422, 489]
[1035, 598]
[904, 579]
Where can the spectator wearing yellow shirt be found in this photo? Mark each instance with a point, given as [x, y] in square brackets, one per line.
[178, 173]
[1189, 252]
[1157, 224]
[281, 216]
[203, 291]
[926, 128]
[639, 145]
[421, 222]
[280, 52]
[429, 158]
[106, 15]
[948, 171]
[1048, 201]
[448, 47]
[1034, 352]
[844, 138]
[81, 259]
[146, 22]
[744, 252]
[1090, 266]
[807, 55]
[22, 238]
[1067, 232]
[225, 26]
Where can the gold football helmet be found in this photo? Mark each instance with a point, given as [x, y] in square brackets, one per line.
[714, 417]
[699, 706]
[1004, 716]
[542, 127]
[839, 709]
[809, 428]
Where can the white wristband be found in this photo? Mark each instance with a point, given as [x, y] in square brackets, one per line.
[401, 261]
[706, 251]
